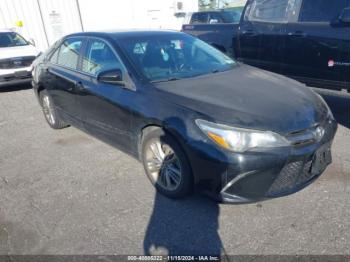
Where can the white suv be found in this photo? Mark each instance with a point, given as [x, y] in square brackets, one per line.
[16, 57]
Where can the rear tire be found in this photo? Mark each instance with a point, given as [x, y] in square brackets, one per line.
[166, 164]
[50, 112]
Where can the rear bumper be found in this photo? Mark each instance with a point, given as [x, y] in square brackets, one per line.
[16, 78]
[256, 176]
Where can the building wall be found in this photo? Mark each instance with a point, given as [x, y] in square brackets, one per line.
[45, 21]
[28, 12]
[122, 14]
[61, 17]
[234, 3]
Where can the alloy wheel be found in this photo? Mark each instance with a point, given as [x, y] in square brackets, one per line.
[48, 110]
[163, 165]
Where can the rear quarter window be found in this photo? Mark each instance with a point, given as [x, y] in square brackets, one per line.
[69, 52]
[54, 57]
[199, 18]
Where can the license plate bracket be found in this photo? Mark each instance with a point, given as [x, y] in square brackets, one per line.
[321, 159]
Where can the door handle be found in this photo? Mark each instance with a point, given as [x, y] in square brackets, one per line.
[297, 34]
[249, 32]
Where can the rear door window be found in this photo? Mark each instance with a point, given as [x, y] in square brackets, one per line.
[233, 16]
[322, 10]
[69, 51]
[199, 18]
[217, 17]
[270, 10]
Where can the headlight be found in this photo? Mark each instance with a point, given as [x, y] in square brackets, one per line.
[240, 140]
[329, 113]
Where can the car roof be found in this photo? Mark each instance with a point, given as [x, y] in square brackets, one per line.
[4, 30]
[209, 11]
[120, 34]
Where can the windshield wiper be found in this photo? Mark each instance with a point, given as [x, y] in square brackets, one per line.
[166, 80]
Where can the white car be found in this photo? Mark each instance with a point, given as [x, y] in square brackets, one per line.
[16, 57]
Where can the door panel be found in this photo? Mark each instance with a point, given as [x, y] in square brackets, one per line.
[261, 35]
[248, 38]
[105, 107]
[311, 48]
[62, 77]
[272, 46]
[249, 41]
[343, 64]
[316, 45]
[106, 112]
[62, 88]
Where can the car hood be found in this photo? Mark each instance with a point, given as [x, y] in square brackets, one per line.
[18, 51]
[250, 98]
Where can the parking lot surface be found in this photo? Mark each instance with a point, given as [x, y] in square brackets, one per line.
[64, 192]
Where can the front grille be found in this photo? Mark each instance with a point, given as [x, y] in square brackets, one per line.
[292, 175]
[15, 77]
[17, 62]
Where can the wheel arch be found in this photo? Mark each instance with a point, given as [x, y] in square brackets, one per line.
[38, 91]
[177, 137]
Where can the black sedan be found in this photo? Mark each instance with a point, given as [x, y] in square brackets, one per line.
[193, 116]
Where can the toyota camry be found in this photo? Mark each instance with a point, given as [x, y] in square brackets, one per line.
[194, 117]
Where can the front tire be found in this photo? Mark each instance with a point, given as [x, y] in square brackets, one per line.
[166, 164]
[50, 113]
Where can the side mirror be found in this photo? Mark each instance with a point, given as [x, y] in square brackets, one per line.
[31, 41]
[345, 16]
[213, 21]
[114, 77]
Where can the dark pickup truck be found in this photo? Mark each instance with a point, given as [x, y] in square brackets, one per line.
[308, 40]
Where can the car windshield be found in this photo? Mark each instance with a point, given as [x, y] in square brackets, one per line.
[11, 39]
[174, 56]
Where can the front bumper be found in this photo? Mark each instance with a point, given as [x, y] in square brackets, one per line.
[16, 77]
[255, 176]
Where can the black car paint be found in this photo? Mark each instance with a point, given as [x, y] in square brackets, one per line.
[243, 97]
[246, 103]
[221, 36]
[300, 50]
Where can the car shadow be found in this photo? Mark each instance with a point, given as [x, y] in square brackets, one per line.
[187, 226]
[183, 227]
[339, 103]
[15, 88]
